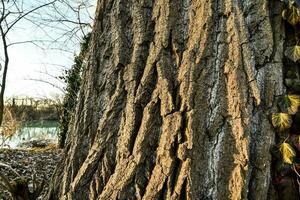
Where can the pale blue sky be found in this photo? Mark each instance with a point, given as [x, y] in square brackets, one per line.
[28, 61]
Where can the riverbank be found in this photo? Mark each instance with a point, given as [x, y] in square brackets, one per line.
[27, 162]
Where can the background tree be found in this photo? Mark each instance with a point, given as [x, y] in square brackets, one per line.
[59, 23]
[11, 13]
[175, 102]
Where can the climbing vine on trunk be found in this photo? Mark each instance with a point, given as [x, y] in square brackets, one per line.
[287, 121]
[72, 79]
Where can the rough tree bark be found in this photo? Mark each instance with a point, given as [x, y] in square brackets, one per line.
[175, 102]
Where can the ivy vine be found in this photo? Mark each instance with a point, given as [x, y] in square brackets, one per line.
[73, 78]
[286, 121]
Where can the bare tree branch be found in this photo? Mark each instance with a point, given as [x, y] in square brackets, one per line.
[34, 42]
[67, 30]
[46, 82]
[27, 13]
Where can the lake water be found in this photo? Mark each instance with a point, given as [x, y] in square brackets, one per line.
[34, 131]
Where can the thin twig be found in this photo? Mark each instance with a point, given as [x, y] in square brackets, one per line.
[295, 170]
[10, 168]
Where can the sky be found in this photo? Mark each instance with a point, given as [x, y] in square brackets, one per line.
[33, 66]
[29, 64]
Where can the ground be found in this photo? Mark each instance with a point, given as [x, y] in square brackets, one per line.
[28, 162]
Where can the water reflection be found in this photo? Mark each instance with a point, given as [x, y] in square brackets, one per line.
[32, 132]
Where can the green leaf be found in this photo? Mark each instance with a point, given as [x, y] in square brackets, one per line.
[287, 152]
[293, 53]
[290, 103]
[292, 15]
[294, 101]
[281, 121]
[293, 2]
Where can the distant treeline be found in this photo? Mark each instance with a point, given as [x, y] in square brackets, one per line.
[30, 109]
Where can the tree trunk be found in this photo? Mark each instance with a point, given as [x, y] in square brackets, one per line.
[175, 102]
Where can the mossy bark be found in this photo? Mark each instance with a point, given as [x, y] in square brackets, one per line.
[175, 102]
